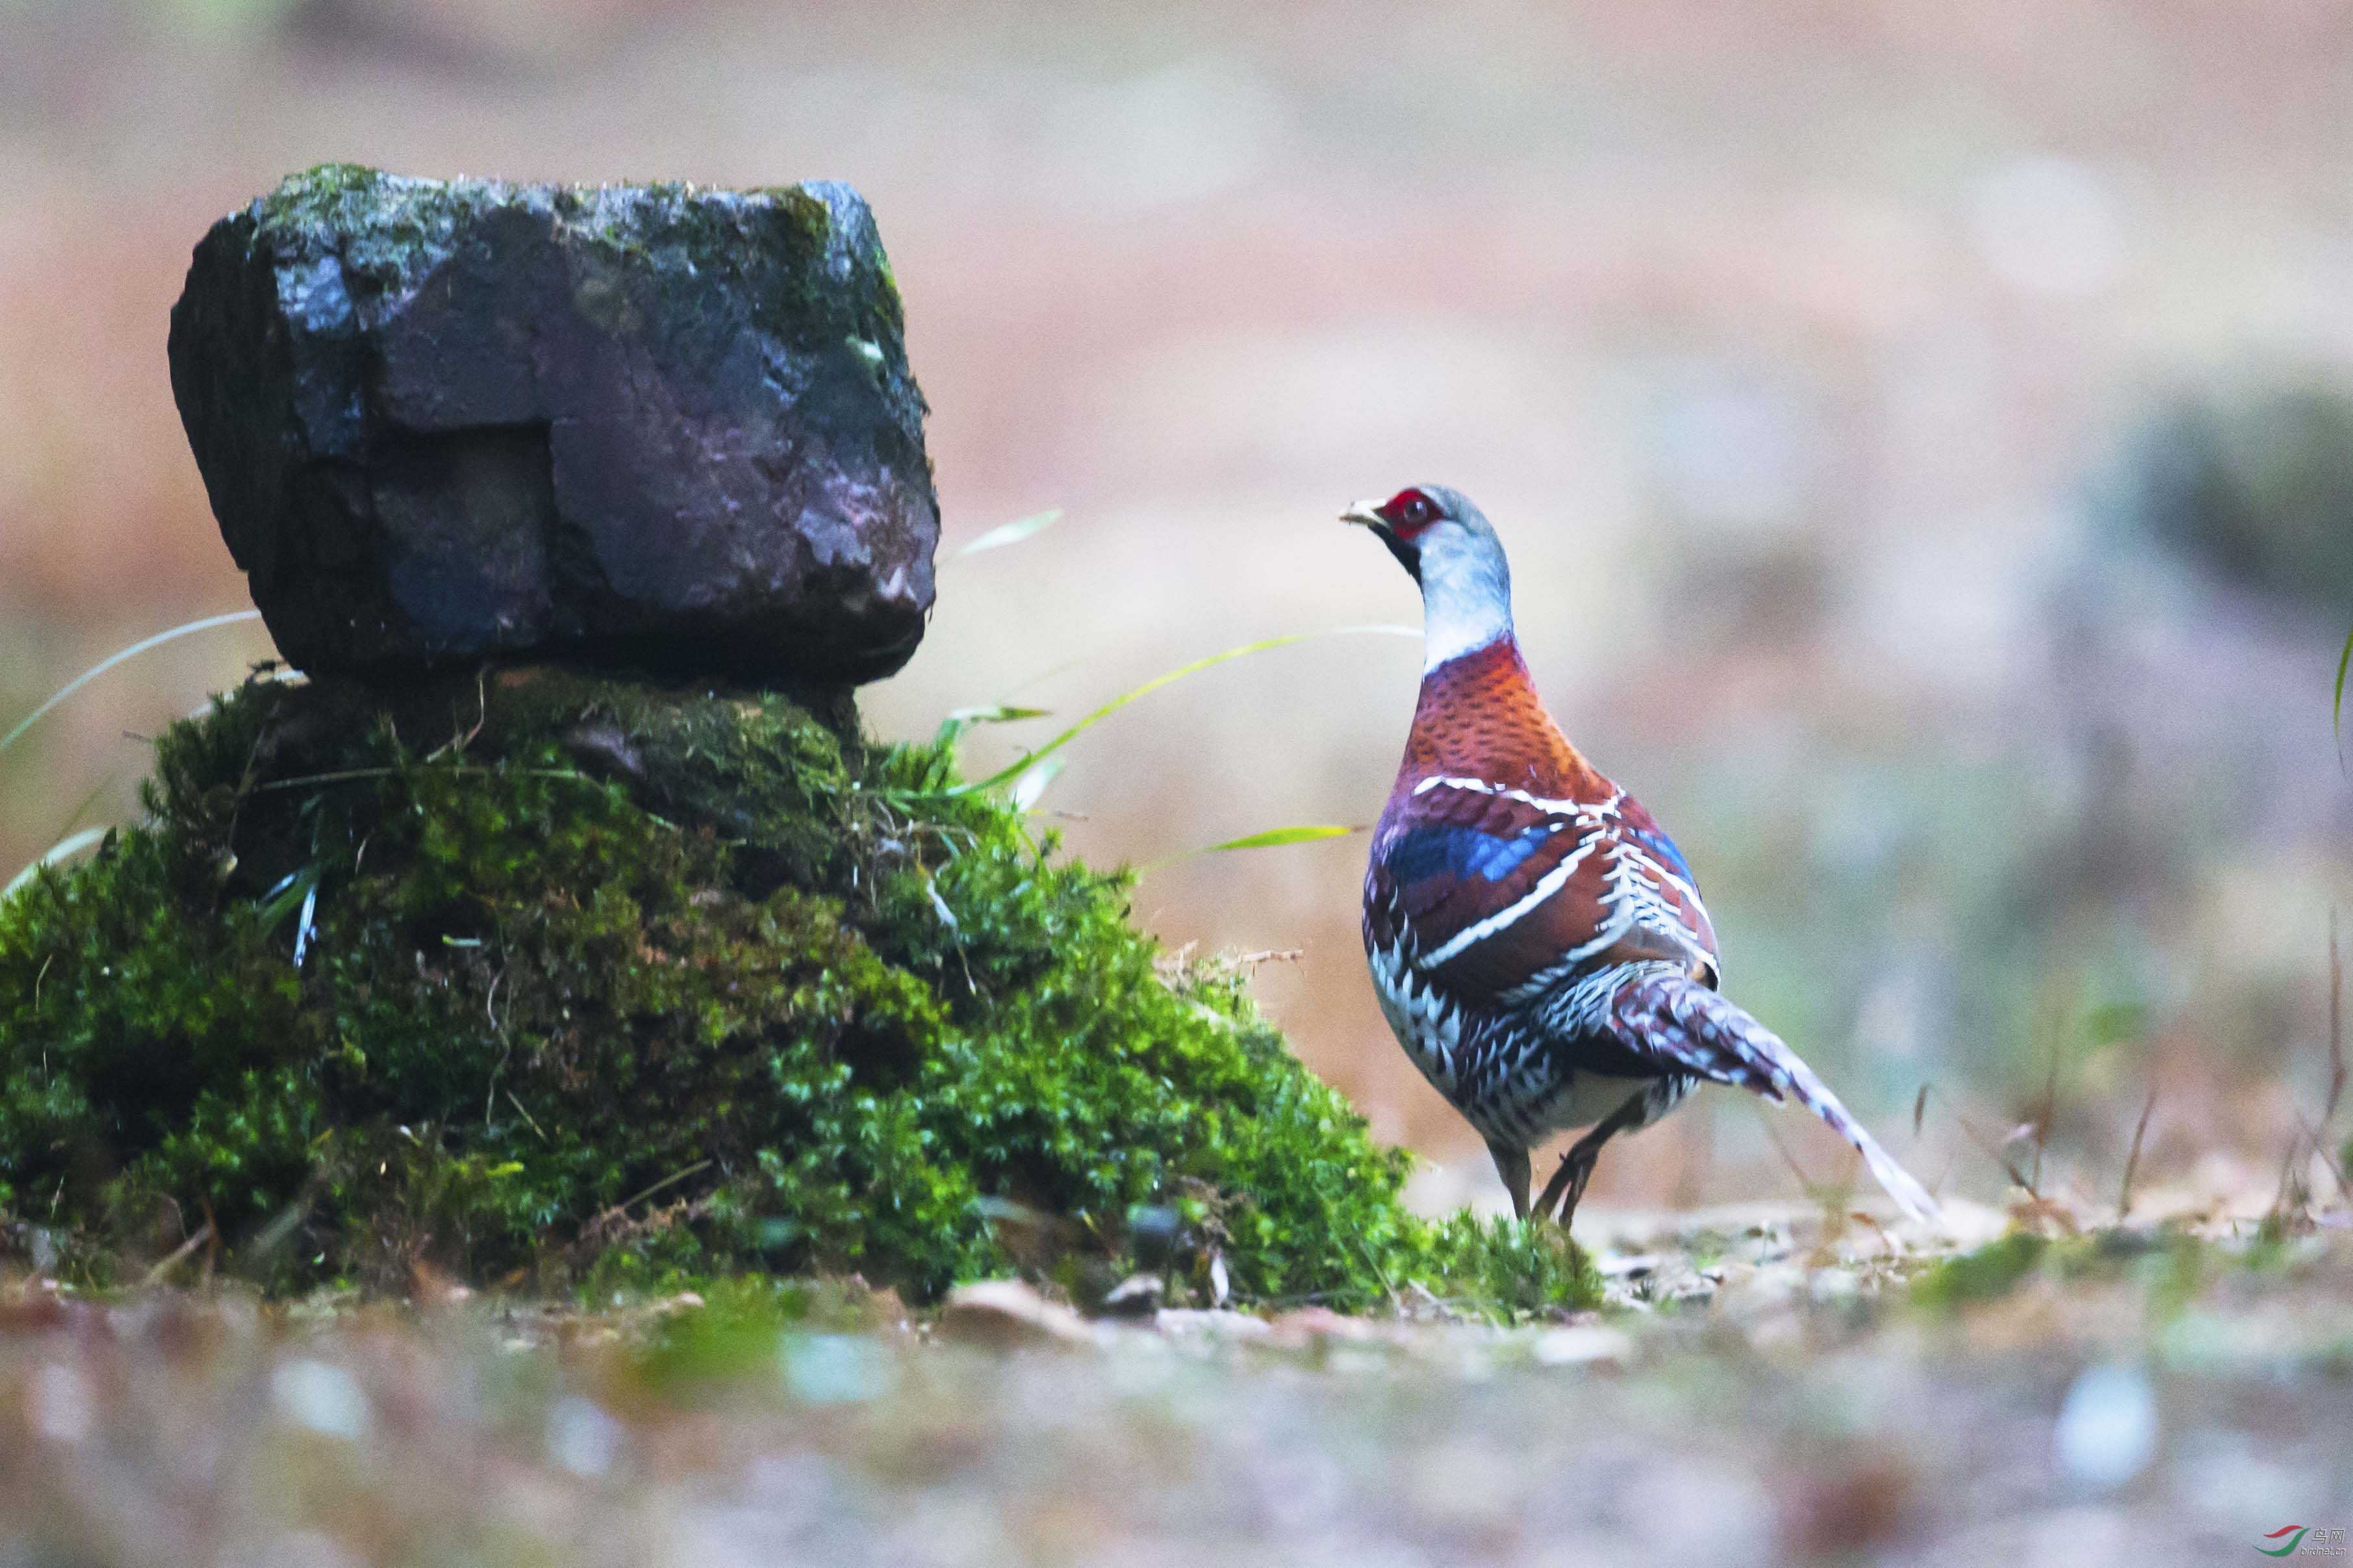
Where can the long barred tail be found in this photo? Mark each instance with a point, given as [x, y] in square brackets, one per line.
[1661, 1012]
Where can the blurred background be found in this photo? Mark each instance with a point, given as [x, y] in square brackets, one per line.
[1924, 434]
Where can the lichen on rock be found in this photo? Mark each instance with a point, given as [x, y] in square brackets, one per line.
[550, 979]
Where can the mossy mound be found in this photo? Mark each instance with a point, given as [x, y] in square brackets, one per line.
[557, 979]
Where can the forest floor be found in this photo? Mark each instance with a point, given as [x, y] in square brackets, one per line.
[1767, 1384]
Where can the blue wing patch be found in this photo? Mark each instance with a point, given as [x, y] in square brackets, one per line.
[1660, 845]
[1460, 852]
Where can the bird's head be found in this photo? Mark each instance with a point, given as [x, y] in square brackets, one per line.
[1449, 548]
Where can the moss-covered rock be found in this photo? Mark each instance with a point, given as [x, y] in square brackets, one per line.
[663, 425]
[551, 979]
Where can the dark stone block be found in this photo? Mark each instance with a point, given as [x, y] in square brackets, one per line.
[661, 425]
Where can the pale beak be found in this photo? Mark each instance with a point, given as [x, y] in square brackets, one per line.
[1364, 514]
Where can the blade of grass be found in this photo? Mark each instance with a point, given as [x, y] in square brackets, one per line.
[1012, 532]
[88, 800]
[1272, 839]
[1015, 770]
[1044, 676]
[133, 651]
[995, 713]
[64, 849]
[294, 891]
[2337, 713]
[1274, 836]
[953, 727]
[1033, 783]
[303, 927]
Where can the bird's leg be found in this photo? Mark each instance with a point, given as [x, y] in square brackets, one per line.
[1574, 1169]
[1512, 1164]
[1577, 1186]
[1577, 1165]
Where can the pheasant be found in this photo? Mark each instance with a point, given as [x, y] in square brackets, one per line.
[1538, 940]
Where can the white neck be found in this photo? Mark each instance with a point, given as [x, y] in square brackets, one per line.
[1466, 599]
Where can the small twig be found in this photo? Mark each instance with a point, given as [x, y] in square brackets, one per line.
[1380, 1274]
[1250, 961]
[237, 810]
[346, 775]
[2017, 1177]
[527, 1116]
[2050, 1110]
[2320, 1147]
[2290, 1182]
[1886, 1238]
[282, 1225]
[1773, 1135]
[2132, 1161]
[460, 743]
[506, 1048]
[2291, 1178]
[670, 1181]
[180, 1254]
[2009, 1166]
[2335, 1023]
[343, 776]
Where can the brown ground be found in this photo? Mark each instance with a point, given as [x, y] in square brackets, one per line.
[1755, 1394]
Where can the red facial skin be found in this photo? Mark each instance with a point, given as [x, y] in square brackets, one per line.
[1407, 512]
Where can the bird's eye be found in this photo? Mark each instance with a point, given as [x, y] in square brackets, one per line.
[1413, 510]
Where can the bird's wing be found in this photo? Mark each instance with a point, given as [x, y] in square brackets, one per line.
[1499, 895]
[1680, 1026]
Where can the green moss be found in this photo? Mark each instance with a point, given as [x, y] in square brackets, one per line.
[1992, 1270]
[608, 984]
[806, 259]
[2170, 1265]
